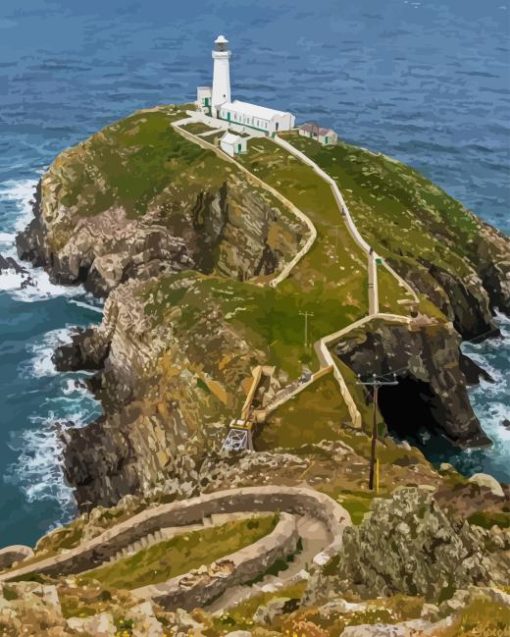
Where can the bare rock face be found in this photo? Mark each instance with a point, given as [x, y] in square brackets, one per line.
[431, 391]
[407, 544]
[233, 230]
[165, 398]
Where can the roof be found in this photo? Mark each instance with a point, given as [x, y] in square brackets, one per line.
[230, 138]
[221, 39]
[312, 127]
[253, 110]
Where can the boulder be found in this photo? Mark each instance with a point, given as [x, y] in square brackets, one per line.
[407, 544]
[101, 625]
[267, 613]
[411, 628]
[145, 622]
[487, 481]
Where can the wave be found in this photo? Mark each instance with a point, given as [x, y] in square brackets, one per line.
[490, 400]
[38, 471]
[15, 214]
[87, 306]
[41, 363]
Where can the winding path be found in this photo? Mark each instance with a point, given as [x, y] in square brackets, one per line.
[321, 346]
[198, 588]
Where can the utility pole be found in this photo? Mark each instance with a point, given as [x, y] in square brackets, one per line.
[375, 382]
[306, 315]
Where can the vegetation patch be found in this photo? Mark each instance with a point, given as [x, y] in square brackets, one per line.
[315, 414]
[480, 617]
[487, 519]
[240, 617]
[181, 554]
[400, 212]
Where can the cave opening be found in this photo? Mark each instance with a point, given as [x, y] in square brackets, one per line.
[409, 408]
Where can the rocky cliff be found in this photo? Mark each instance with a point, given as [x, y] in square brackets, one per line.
[183, 245]
[431, 388]
[103, 215]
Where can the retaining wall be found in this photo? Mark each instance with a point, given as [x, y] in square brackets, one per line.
[245, 564]
[283, 499]
[14, 553]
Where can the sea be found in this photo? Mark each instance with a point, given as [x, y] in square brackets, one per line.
[424, 81]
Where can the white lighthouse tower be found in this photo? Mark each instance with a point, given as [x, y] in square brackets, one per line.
[221, 75]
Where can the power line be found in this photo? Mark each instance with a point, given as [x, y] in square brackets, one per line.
[376, 382]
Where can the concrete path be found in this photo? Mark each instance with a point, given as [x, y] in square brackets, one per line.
[313, 534]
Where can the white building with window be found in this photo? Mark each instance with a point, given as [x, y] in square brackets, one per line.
[216, 101]
[233, 144]
[259, 118]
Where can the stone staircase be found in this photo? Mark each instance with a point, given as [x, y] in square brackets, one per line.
[165, 534]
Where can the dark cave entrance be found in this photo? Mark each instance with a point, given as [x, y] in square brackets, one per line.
[409, 408]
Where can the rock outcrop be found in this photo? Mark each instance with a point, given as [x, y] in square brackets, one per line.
[408, 544]
[94, 233]
[431, 390]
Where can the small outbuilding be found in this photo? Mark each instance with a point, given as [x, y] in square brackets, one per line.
[204, 99]
[233, 144]
[325, 136]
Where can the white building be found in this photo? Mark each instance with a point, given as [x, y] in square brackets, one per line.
[233, 144]
[216, 101]
[259, 118]
[325, 136]
[204, 99]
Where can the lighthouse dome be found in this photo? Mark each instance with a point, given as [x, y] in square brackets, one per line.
[221, 43]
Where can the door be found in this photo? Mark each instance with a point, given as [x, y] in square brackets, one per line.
[229, 116]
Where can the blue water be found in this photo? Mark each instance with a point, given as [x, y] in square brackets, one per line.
[426, 82]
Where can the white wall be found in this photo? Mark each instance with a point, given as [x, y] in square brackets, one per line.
[221, 78]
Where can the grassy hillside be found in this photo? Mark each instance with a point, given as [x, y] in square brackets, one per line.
[400, 212]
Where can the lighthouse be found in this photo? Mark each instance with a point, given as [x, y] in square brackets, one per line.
[241, 117]
[221, 74]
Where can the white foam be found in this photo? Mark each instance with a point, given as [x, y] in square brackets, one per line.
[38, 471]
[491, 400]
[11, 280]
[42, 351]
[87, 306]
[20, 194]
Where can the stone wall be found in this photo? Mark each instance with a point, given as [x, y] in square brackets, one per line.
[15, 553]
[95, 552]
[197, 589]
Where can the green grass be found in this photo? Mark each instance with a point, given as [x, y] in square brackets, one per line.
[197, 128]
[268, 318]
[357, 505]
[240, 617]
[316, 414]
[181, 554]
[397, 209]
[487, 519]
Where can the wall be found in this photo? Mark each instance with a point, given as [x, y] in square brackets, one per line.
[197, 590]
[283, 499]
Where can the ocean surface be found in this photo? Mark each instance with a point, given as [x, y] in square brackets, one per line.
[427, 82]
